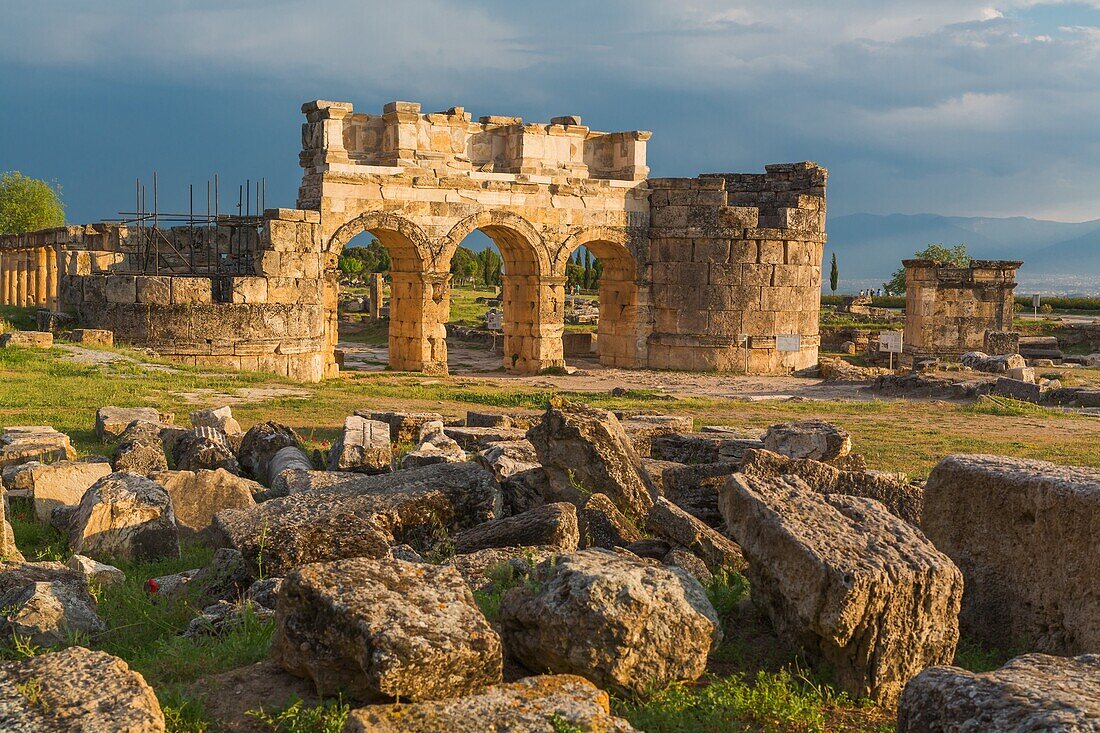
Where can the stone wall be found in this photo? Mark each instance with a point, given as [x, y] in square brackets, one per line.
[736, 262]
[271, 320]
[949, 310]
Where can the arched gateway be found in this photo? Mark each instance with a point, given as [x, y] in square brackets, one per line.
[719, 272]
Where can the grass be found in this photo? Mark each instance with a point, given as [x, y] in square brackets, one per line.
[297, 717]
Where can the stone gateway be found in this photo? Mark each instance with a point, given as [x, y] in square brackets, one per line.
[699, 273]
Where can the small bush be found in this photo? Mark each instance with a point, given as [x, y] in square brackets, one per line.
[297, 717]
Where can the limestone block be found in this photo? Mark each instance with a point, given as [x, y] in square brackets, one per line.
[531, 705]
[363, 447]
[58, 484]
[192, 290]
[1034, 692]
[198, 495]
[26, 339]
[90, 336]
[127, 516]
[855, 587]
[383, 629]
[1010, 524]
[111, 422]
[152, 289]
[121, 289]
[249, 290]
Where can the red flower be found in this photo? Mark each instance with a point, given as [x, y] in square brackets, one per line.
[152, 585]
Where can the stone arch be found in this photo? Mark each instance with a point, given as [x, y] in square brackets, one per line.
[419, 304]
[620, 335]
[533, 298]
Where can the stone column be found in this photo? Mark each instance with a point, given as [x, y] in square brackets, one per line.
[22, 271]
[376, 285]
[3, 278]
[40, 277]
[51, 279]
[418, 317]
[534, 320]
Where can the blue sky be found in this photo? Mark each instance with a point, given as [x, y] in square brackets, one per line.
[946, 106]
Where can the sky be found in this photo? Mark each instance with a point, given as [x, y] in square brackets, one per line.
[943, 106]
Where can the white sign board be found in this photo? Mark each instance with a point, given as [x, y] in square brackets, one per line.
[493, 321]
[890, 341]
[1035, 300]
[788, 342]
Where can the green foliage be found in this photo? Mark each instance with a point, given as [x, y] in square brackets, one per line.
[297, 717]
[834, 275]
[504, 578]
[770, 703]
[972, 656]
[374, 256]
[37, 541]
[182, 714]
[956, 256]
[1004, 407]
[561, 725]
[464, 264]
[27, 204]
[725, 590]
[1060, 303]
[881, 301]
[351, 266]
[489, 267]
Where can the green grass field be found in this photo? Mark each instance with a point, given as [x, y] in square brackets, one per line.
[753, 685]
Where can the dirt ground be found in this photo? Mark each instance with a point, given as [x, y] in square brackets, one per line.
[589, 375]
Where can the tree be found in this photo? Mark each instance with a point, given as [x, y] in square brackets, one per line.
[489, 266]
[955, 256]
[27, 204]
[834, 275]
[375, 256]
[464, 264]
[587, 269]
[351, 266]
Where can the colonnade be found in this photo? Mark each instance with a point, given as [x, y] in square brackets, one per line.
[28, 277]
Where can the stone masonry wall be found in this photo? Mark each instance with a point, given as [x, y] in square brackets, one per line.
[949, 310]
[737, 261]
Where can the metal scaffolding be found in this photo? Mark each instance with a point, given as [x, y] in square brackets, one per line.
[200, 253]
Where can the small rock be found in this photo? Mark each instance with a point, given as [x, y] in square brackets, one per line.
[603, 525]
[816, 439]
[202, 449]
[112, 422]
[435, 447]
[96, 571]
[220, 418]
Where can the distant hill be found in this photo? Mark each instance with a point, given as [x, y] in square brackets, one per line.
[870, 246]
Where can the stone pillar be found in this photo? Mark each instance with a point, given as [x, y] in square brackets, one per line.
[40, 277]
[419, 305]
[51, 279]
[22, 271]
[534, 320]
[376, 286]
[4, 279]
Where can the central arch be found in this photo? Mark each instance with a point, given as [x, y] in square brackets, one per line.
[532, 298]
[418, 291]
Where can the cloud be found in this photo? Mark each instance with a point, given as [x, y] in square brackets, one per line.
[965, 103]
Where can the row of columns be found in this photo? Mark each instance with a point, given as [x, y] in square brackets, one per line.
[28, 277]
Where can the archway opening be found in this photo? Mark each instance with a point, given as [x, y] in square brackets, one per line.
[389, 312]
[507, 303]
[601, 304]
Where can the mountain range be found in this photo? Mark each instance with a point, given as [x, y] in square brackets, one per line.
[871, 246]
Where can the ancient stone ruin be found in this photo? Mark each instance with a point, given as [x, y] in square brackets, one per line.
[718, 272]
[952, 310]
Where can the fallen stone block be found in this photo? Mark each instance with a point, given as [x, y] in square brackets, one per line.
[57, 484]
[219, 418]
[204, 449]
[89, 336]
[259, 446]
[198, 495]
[361, 516]
[26, 340]
[384, 629]
[140, 450]
[404, 426]
[496, 420]
[483, 569]
[112, 422]
[814, 439]
[552, 525]
[507, 458]
[125, 516]
[95, 571]
[1035, 692]
[901, 498]
[25, 443]
[704, 447]
[695, 488]
[1017, 389]
[541, 704]
[524, 490]
[76, 689]
[435, 447]
[603, 525]
[584, 451]
[476, 439]
[623, 624]
[1024, 534]
[46, 603]
[982, 362]
[853, 586]
[680, 528]
[363, 447]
